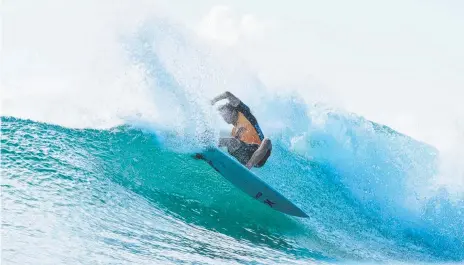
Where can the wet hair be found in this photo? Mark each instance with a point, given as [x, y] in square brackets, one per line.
[226, 108]
[229, 113]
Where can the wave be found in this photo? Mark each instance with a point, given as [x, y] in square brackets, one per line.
[132, 192]
[355, 213]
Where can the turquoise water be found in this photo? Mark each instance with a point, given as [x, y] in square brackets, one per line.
[123, 196]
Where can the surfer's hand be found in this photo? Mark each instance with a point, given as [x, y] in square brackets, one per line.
[240, 131]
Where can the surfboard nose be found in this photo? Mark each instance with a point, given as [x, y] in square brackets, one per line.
[299, 213]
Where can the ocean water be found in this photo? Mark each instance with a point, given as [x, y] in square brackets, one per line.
[97, 134]
[120, 196]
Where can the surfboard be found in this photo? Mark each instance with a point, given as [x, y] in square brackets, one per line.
[242, 178]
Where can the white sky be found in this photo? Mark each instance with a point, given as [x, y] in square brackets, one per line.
[400, 63]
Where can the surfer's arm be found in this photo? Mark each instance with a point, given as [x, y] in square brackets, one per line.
[233, 100]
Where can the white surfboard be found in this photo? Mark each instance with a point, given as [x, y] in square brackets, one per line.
[249, 183]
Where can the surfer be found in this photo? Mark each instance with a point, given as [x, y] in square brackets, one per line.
[247, 142]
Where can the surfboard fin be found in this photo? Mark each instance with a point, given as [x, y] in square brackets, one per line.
[198, 156]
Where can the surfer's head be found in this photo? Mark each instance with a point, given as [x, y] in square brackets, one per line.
[229, 113]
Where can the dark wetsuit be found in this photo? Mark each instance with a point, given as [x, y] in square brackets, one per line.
[250, 135]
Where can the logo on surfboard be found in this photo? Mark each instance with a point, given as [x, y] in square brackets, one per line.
[266, 201]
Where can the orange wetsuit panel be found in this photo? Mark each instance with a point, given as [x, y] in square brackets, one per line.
[249, 136]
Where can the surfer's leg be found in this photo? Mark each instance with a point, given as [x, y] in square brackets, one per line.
[259, 154]
[232, 144]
